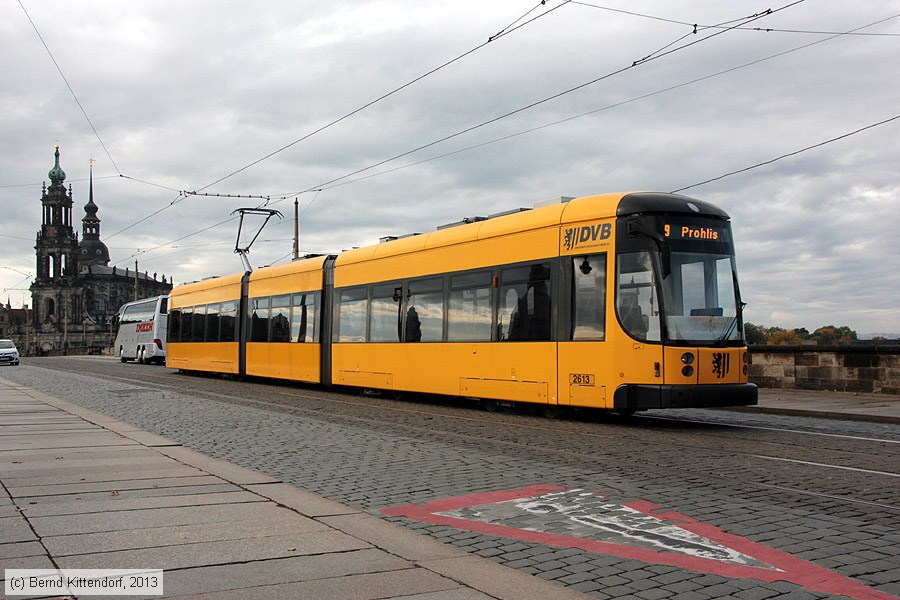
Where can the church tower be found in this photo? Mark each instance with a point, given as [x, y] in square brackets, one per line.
[57, 242]
[76, 294]
[91, 251]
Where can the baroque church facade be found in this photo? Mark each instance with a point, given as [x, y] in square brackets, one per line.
[76, 294]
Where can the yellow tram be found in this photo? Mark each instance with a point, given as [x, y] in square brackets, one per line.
[618, 301]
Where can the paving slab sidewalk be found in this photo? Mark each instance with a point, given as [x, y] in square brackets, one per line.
[875, 408]
[82, 490]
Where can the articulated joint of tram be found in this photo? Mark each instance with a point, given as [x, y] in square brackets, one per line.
[631, 397]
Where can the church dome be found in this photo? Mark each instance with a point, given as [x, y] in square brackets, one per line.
[93, 252]
[56, 174]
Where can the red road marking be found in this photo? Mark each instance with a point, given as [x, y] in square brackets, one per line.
[785, 566]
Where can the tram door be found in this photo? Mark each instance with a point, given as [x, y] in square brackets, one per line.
[585, 363]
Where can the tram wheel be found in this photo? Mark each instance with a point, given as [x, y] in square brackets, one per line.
[490, 405]
[549, 411]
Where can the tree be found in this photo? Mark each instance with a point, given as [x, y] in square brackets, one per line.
[832, 336]
[755, 334]
[786, 338]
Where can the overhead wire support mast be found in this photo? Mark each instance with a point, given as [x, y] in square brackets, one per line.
[243, 252]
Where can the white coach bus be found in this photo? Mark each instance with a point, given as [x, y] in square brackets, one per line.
[142, 330]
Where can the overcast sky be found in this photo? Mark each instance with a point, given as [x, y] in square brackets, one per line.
[180, 95]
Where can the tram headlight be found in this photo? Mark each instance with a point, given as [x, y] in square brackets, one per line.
[687, 370]
[688, 359]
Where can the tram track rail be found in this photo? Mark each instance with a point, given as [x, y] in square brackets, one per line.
[403, 406]
[287, 402]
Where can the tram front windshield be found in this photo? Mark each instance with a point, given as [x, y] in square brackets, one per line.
[681, 288]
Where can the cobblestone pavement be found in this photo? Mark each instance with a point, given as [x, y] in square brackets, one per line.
[823, 492]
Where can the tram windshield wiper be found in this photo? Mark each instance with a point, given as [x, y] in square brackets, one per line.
[729, 329]
[723, 339]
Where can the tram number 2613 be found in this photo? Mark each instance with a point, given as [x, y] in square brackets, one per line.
[581, 379]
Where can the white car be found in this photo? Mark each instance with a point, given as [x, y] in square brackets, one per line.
[8, 352]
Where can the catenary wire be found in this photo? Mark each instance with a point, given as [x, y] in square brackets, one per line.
[759, 29]
[615, 105]
[658, 54]
[177, 199]
[71, 91]
[789, 154]
[506, 31]
[184, 237]
[494, 37]
[547, 99]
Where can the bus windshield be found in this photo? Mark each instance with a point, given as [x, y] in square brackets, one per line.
[677, 283]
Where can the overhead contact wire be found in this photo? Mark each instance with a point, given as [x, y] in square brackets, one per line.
[71, 91]
[504, 32]
[636, 63]
[788, 155]
[494, 37]
[617, 104]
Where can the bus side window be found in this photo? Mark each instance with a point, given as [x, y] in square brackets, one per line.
[589, 297]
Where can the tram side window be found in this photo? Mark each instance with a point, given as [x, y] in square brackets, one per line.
[280, 319]
[174, 326]
[384, 313]
[304, 317]
[524, 311]
[424, 320]
[228, 322]
[187, 316]
[259, 320]
[198, 329]
[469, 317]
[589, 295]
[351, 321]
[212, 323]
[636, 301]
